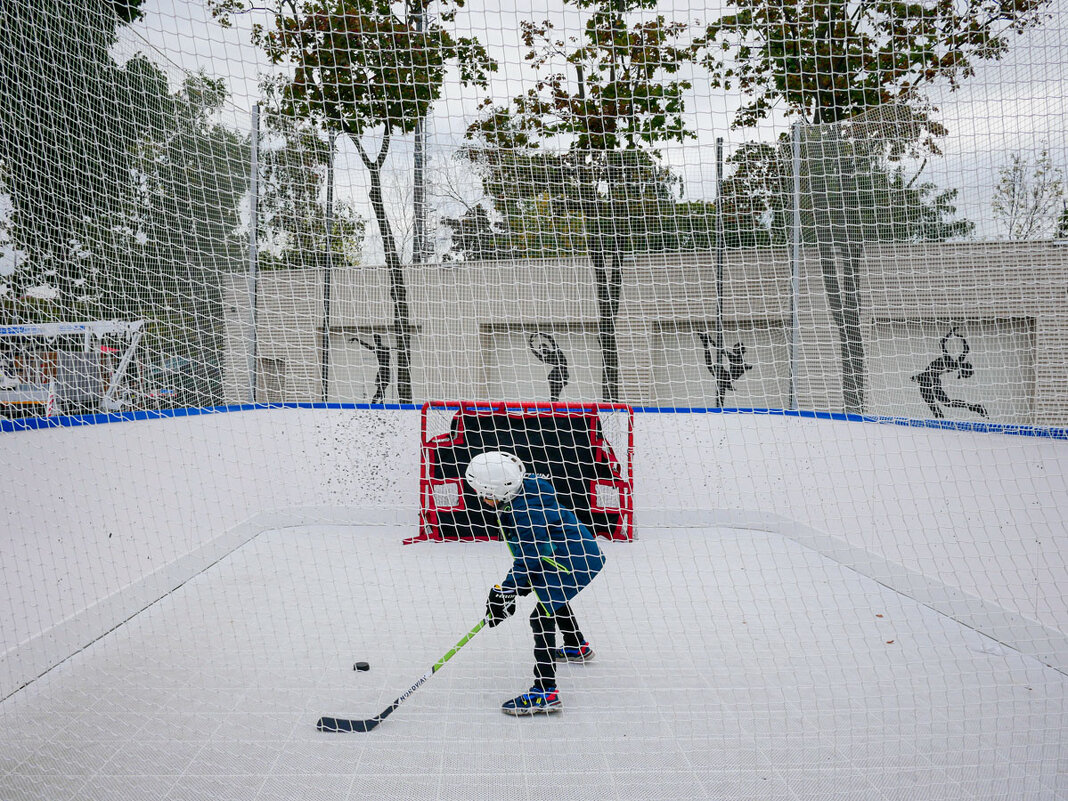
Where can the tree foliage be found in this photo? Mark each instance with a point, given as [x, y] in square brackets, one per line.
[826, 61]
[69, 114]
[536, 202]
[627, 91]
[1029, 199]
[190, 175]
[193, 174]
[292, 213]
[873, 201]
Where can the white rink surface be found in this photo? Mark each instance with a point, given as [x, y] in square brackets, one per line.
[730, 665]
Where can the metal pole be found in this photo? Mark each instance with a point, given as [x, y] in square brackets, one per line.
[328, 272]
[419, 195]
[253, 256]
[419, 248]
[720, 252]
[795, 264]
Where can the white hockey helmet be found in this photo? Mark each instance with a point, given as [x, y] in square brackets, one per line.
[495, 475]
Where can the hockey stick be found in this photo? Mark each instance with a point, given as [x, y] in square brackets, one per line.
[340, 724]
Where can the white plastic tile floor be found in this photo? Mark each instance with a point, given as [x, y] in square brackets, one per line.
[730, 665]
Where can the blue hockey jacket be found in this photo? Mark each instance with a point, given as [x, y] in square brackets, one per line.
[555, 554]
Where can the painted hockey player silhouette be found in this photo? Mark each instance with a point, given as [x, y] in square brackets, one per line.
[381, 350]
[930, 380]
[735, 368]
[545, 349]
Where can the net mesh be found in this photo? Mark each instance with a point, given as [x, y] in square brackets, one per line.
[771, 293]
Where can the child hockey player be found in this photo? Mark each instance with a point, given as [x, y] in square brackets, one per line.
[555, 557]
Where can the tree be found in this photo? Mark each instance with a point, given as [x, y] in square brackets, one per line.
[192, 175]
[292, 211]
[370, 69]
[755, 196]
[69, 115]
[887, 204]
[1029, 199]
[477, 236]
[535, 204]
[531, 209]
[625, 98]
[125, 196]
[830, 62]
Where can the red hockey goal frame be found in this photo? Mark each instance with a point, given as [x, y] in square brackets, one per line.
[616, 474]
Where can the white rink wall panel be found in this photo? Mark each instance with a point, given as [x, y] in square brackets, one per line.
[471, 327]
[970, 522]
[120, 514]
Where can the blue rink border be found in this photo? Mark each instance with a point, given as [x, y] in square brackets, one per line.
[70, 421]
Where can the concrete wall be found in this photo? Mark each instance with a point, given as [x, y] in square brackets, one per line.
[109, 518]
[471, 323]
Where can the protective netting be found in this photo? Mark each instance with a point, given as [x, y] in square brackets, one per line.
[771, 293]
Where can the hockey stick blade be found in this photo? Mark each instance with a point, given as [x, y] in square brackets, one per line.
[340, 724]
[329, 724]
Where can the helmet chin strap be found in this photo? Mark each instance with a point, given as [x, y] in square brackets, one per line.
[501, 503]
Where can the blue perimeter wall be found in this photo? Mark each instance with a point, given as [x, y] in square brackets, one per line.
[64, 421]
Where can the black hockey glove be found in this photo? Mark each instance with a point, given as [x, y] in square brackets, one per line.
[500, 605]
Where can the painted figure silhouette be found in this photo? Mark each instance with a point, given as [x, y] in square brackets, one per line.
[8, 374]
[381, 350]
[725, 375]
[930, 380]
[545, 349]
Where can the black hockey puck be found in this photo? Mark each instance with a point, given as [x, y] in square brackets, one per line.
[361, 666]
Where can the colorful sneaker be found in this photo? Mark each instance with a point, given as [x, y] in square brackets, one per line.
[581, 654]
[533, 702]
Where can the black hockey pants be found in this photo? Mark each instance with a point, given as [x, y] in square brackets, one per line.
[544, 625]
